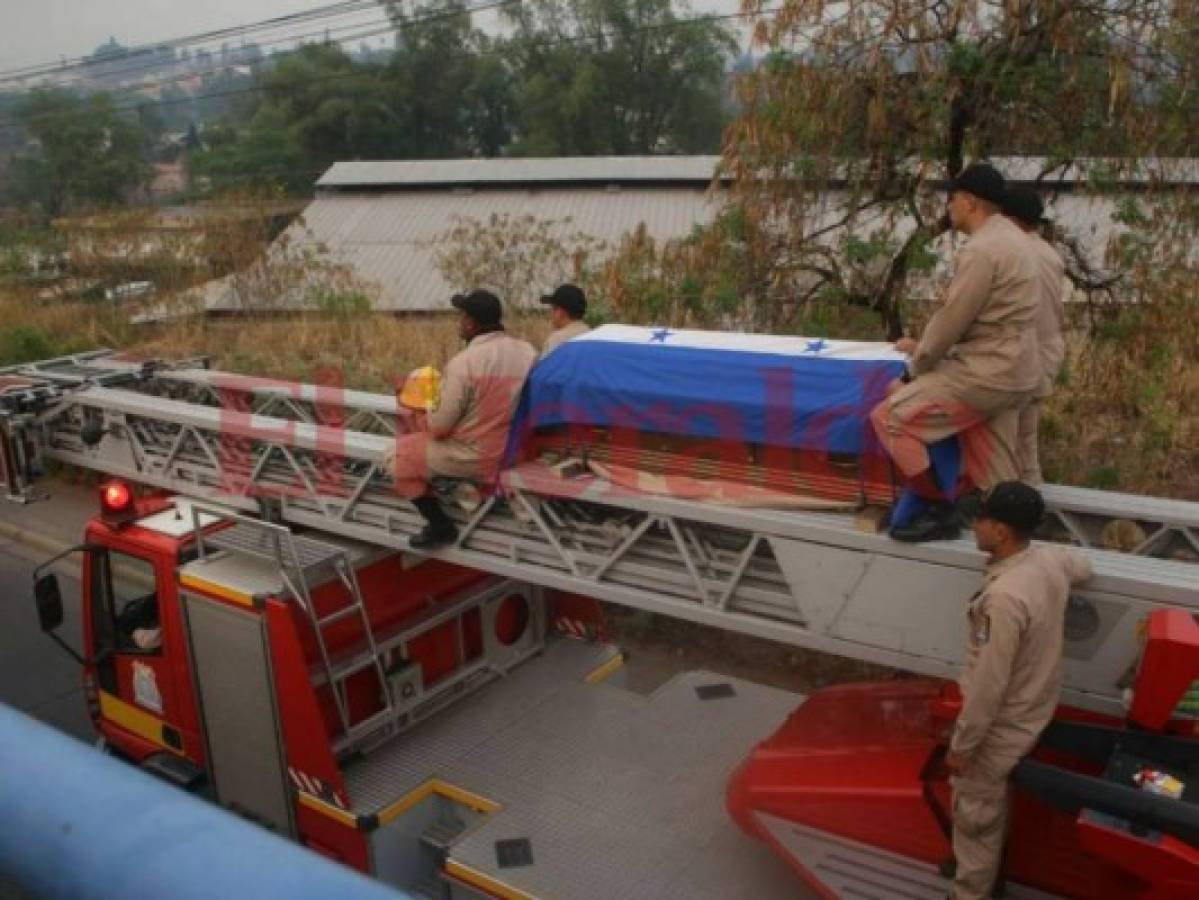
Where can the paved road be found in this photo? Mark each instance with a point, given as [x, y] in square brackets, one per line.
[36, 675]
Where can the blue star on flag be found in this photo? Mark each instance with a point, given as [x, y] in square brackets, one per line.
[660, 335]
[816, 346]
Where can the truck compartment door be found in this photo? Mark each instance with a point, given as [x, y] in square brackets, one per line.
[236, 694]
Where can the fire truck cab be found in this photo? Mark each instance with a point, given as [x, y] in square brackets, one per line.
[201, 666]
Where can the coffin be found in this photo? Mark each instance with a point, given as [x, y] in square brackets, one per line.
[778, 414]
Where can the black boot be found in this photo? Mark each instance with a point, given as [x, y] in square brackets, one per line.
[439, 528]
[937, 523]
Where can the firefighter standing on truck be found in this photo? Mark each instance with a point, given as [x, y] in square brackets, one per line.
[974, 366]
[1024, 207]
[1012, 676]
[466, 428]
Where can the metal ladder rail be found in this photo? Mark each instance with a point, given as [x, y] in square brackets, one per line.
[293, 400]
[38, 368]
[207, 429]
[1081, 513]
[1169, 526]
[203, 475]
[655, 577]
[157, 457]
[285, 553]
[104, 367]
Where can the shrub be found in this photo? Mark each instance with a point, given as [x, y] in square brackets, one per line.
[25, 343]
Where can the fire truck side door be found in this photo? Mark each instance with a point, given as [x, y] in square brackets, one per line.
[236, 694]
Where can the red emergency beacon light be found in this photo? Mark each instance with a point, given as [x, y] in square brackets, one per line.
[116, 503]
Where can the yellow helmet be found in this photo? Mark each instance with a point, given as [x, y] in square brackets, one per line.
[422, 389]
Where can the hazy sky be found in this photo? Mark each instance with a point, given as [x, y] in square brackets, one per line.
[37, 31]
[43, 31]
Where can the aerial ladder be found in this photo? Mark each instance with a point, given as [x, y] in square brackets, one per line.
[310, 458]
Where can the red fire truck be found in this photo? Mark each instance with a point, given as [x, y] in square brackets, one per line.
[455, 723]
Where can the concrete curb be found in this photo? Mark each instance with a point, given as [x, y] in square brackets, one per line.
[33, 539]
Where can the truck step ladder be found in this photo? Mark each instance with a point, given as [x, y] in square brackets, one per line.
[303, 563]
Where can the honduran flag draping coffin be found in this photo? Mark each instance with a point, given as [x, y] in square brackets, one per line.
[804, 393]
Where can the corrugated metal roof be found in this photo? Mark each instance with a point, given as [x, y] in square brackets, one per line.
[389, 239]
[592, 170]
[552, 170]
[1163, 170]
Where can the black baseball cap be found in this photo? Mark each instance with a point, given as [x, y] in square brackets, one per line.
[983, 181]
[1024, 204]
[568, 297]
[482, 306]
[1015, 504]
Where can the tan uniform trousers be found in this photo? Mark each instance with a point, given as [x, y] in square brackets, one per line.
[980, 809]
[1028, 427]
[937, 405]
[420, 457]
[1028, 461]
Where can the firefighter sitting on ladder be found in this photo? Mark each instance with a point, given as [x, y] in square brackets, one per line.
[975, 365]
[1012, 677]
[568, 305]
[466, 426]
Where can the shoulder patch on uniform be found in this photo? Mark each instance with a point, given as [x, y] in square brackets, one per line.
[981, 632]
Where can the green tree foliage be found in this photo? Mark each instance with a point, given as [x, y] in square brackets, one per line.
[330, 107]
[616, 77]
[451, 90]
[264, 152]
[443, 93]
[85, 152]
[585, 77]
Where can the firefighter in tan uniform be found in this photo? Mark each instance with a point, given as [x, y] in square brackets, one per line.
[1012, 675]
[1023, 206]
[568, 305]
[464, 434]
[975, 364]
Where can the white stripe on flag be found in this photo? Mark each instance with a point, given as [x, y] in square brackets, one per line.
[735, 342]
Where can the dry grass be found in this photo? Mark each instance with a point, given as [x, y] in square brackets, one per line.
[1126, 415]
[362, 351]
